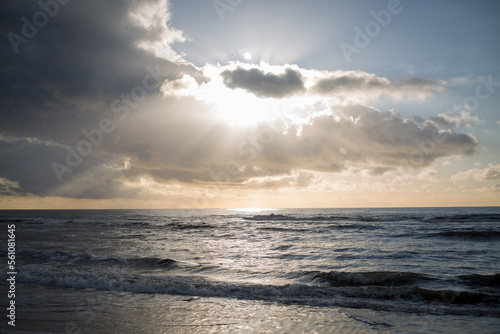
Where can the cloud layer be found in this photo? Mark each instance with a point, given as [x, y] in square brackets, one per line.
[113, 63]
[490, 173]
[280, 82]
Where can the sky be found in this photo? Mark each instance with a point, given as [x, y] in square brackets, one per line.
[249, 103]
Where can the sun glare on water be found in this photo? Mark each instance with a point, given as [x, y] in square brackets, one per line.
[252, 210]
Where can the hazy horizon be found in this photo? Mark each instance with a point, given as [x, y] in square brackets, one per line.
[262, 209]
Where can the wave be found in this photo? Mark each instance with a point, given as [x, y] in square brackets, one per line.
[189, 226]
[282, 247]
[393, 279]
[56, 221]
[145, 264]
[396, 217]
[290, 256]
[383, 290]
[271, 216]
[361, 217]
[283, 229]
[482, 280]
[409, 299]
[280, 217]
[476, 235]
[57, 258]
[355, 226]
[26, 221]
[12, 220]
[382, 278]
[451, 296]
[138, 223]
[476, 218]
[419, 294]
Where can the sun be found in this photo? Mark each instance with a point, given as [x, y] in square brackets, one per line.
[236, 106]
[239, 107]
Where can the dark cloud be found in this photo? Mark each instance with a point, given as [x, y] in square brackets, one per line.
[264, 84]
[417, 82]
[67, 75]
[350, 83]
[365, 83]
[29, 163]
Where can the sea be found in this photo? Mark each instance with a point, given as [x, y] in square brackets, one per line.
[395, 270]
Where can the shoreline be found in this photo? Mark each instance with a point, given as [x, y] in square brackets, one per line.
[48, 309]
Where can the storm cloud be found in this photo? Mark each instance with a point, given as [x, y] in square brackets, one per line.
[69, 73]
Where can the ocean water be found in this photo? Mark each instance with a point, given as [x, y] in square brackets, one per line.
[416, 270]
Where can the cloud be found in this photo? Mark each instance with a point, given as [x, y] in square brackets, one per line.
[67, 79]
[460, 80]
[182, 142]
[89, 54]
[368, 84]
[186, 145]
[154, 16]
[283, 81]
[296, 179]
[465, 119]
[363, 137]
[264, 84]
[417, 82]
[489, 173]
[305, 87]
[27, 163]
[185, 86]
[10, 188]
[350, 81]
[493, 187]
[427, 174]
